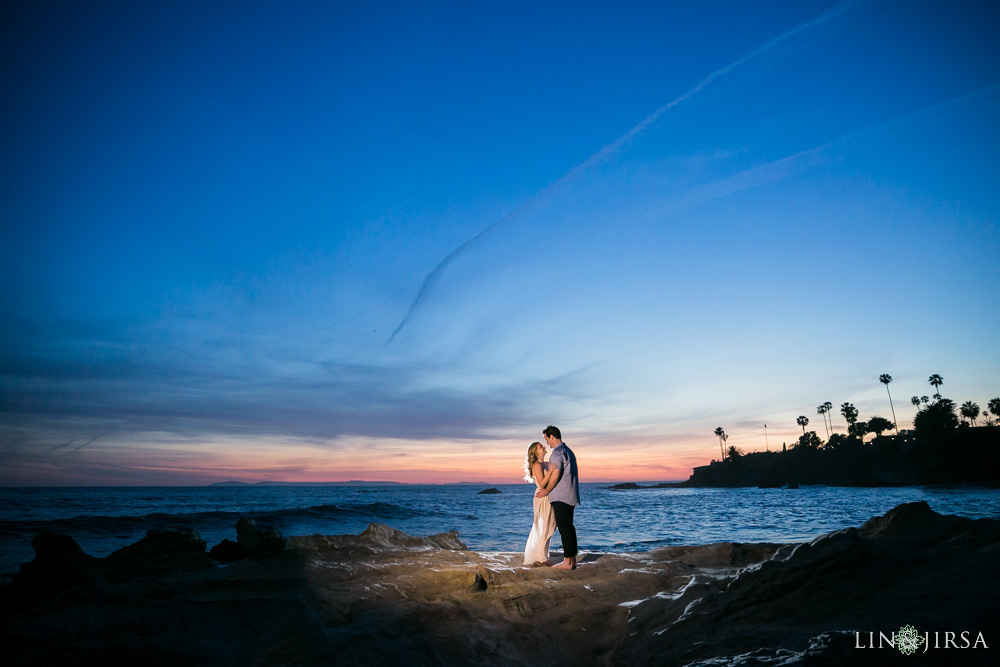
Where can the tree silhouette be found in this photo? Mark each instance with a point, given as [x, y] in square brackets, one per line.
[885, 379]
[802, 421]
[829, 412]
[992, 406]
[850, 414]
[936, 381]
[858, 429]
[821, 411]
[722, 434]
[916, 401]
[970, 411]
[936, 418]
[734, 452]
[878, 424]
[809, 440]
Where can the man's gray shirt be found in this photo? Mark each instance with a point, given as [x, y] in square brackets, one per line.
[567, 489]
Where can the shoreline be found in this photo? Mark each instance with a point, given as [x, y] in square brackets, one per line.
[386, 597]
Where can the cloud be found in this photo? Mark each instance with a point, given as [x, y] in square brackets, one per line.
[432, 278]
[190, 390]
[787, 166]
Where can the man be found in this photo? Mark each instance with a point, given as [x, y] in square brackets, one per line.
[563, 490]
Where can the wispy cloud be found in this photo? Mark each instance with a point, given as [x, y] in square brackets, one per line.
[777, 170]
[432, 278]
[166, 389]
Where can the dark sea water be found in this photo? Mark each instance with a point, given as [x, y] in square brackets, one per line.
[104, 519]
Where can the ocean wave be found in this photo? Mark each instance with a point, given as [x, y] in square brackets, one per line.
[114, 525]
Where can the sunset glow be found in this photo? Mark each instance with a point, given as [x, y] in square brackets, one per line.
[370, 241]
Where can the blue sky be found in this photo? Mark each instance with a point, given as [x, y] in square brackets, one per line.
[395, 240]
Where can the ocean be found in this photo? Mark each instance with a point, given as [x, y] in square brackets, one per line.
[104, 519]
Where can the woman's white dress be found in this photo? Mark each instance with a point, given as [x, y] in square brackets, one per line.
[542, 529]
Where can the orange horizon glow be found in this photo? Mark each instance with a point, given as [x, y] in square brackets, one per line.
[158, 459]
[124, 463]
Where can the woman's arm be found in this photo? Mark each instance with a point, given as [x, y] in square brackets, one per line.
[550, 480]
[536, 472]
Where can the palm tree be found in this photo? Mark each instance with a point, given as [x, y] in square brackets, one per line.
[970, 411]
[735, 452]
[885, 379]
[992, 406]
[722, 434]
[916, 401]
[850, 413]
[936, 381]
[821, 411]
[925, 400]
[802, 421]
[829, 411]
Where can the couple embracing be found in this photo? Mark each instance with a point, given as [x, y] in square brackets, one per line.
[556, 498]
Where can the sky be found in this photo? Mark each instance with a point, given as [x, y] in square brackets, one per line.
[327, 241]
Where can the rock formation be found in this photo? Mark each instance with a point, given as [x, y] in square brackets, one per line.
[384, 597]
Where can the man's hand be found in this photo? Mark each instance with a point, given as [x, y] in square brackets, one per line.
[541, 493]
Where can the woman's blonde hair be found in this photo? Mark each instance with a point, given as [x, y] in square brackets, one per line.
[530, 460]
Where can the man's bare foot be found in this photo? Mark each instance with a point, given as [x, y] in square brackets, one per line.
[568, 564]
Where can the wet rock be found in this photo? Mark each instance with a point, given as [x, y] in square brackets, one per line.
[227, 551]
[489, 491]
[909, 521]
[896, 569]
[159, 542]
[378, 538]
[59, 564]
[385, 597]
[160, 551]
[259, 541]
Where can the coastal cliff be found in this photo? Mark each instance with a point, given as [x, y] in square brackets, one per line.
[958, 456]
[384, 597]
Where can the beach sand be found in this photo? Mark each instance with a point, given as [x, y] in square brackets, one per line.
[386, 598]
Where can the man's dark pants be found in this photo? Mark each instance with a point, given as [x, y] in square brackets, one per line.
[567, 531]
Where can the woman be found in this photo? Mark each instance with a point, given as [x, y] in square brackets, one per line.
[536, 470]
